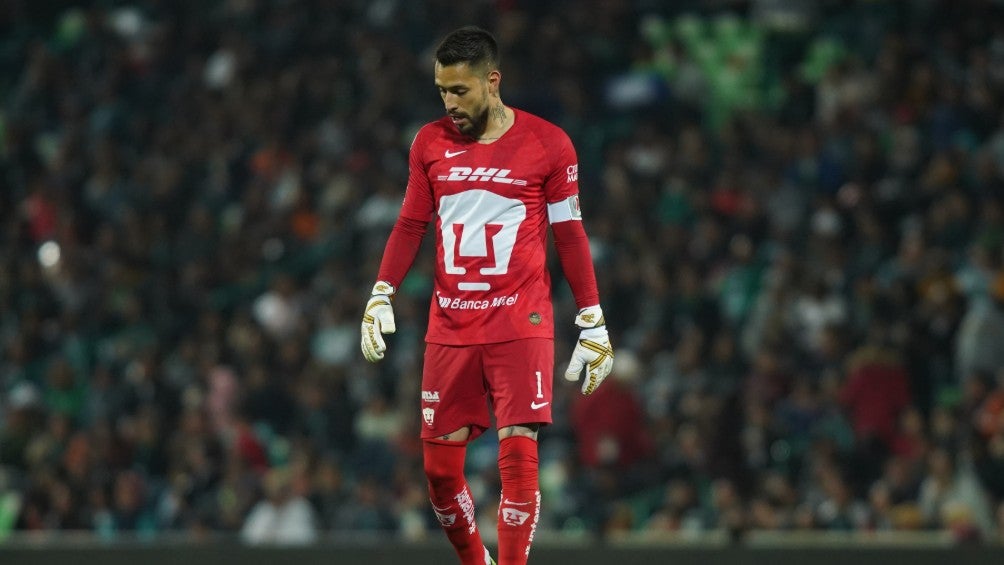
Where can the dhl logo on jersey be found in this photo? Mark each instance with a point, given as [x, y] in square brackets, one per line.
[483, 174]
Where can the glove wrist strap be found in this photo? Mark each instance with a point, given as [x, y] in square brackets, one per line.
[591, 317]
[383, 288]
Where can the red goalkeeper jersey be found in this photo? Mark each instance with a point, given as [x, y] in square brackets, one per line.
[492, 204]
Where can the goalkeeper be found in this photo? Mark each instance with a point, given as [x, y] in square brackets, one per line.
[492, 178]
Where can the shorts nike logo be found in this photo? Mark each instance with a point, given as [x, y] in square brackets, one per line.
[507, 501]
[538, 405]
[454, 153]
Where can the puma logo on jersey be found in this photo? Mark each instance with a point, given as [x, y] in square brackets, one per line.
[484, 174]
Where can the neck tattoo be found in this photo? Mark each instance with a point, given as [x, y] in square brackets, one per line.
[497, 113]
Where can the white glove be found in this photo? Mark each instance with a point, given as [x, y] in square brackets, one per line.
[593, 351]
[378, 319]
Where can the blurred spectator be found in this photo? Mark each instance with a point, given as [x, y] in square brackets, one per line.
[951, 497]
[875, 394]
[280, 310]
[838, 507]
[366, 509]
[22, 420]
[282, 518]
[609, 424]
[678, 510]
[330, 492]
[130, 511]
[981, 331]
[613, 450]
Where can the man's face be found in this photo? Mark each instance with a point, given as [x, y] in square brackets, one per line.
[464, 91]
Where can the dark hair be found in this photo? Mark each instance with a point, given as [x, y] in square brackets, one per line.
[471, 45]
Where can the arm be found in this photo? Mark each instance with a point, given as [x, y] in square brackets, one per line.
[416, 213]
[593, 350]
[576, 261]
[401, 250]
[399, 255]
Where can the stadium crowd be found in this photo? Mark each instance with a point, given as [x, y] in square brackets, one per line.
[797, 217]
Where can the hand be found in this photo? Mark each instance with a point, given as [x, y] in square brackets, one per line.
[378, 319]
[592, 352]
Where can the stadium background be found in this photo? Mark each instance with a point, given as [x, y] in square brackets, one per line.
[796, 210]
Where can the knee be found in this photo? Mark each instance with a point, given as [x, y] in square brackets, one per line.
[519, 430]
[443, 463]
[517, 452]
[438, 472]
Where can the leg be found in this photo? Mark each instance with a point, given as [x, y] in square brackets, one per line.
[519, 504]
[519, 375]
[454, 412]
[451, 498]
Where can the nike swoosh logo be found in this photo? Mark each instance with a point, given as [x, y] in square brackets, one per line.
[454, 153]
[538, 406]
[507, 501]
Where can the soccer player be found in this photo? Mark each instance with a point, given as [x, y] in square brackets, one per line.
[493, 177]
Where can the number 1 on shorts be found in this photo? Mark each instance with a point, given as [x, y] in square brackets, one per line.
[540, 393]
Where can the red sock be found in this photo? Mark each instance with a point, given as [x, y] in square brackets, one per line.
[519, 505]
[451, 499]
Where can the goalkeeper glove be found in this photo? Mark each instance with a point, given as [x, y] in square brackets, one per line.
[593, 350]
[377, 319]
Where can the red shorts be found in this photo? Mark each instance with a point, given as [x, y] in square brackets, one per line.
[459, 381]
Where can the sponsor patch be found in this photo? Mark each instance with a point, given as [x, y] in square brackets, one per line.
[484, 174]
[447, 303]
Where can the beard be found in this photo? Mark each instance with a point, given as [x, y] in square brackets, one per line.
[473, 125]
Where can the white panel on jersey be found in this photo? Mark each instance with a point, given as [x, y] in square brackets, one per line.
[564, 210]
[473, 286]
[468, 215]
